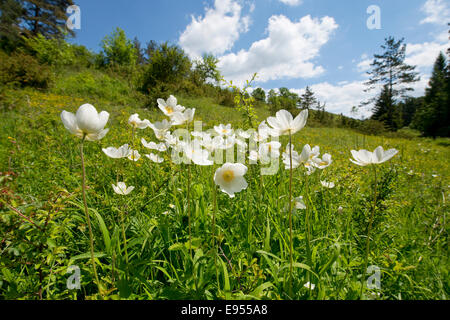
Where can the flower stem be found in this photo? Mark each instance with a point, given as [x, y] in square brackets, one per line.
[290, 215]
[91, 236]
[366, 261]
[124, 239]
[214, 222]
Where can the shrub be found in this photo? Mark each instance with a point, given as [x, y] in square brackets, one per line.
[21, 69]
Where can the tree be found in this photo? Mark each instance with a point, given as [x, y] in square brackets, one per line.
[206, 68]
[10, 28]
[307, 100]
[117, 50]
[140, 52]
[259, 94]
[168, 64]
[390, 71]
[433, 117]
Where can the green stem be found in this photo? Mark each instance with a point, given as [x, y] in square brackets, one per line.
[214, 223]
[366, 261]
[124, 240]
[290, 215]
[91, 236]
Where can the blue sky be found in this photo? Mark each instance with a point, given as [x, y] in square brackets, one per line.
[290, 43]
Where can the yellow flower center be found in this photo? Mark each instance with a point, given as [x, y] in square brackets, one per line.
[323, 163]
[270, 148]
[228, 176]
[169, 110]
[224, 130]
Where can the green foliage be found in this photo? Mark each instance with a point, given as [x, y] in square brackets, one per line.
[168, 65]
[118, 50]
[21, 69]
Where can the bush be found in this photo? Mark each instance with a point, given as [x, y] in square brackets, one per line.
[372, 127]
[21, 69]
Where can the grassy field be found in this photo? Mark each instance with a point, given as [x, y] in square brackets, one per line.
[43, 227]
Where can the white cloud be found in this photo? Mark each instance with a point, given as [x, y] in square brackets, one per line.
[437, 11]
[292, 2]
[217, 31]
[286, 52]
[423, 55]
[342, 97]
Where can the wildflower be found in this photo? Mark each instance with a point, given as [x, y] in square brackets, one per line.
[135, 122]
[284, 124]
[223, 130]
[160, 128]
[134, 155]
[154, 146]
[123, 152]
[324, 162]
[230, 178]
[155, 158]
[196, 154]
[309, 285]
[329, 185]
[122, 189]
[299, 203]
[179, 118]
[87, 122]
[170, 106]
[364, 157]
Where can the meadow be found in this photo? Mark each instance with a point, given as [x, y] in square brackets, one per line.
[142, 241]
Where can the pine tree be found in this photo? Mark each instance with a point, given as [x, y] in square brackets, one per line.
[32, 17]
[307, 99]
[390, 71]
[433, 118]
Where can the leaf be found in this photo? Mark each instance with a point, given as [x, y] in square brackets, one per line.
[104, 230]
[176, 247]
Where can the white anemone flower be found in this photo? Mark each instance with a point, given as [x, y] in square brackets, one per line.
[364, 158]
[179, 118]
[134, 155]
[329, 185]
[309, 285]
[196, 154]
[263, 132]
[161, 147]
[243, 134]
[87, 122]
[270, 150]
[284, 124]
[169, 107]
[299, 203]
[136, 122]
[122, 152]
[122, 189]
[160, 128]
[155, 158]
[297, 159]
[212, 144]
[254, 156]
[324, 162]
[223, 130]
[230, 178]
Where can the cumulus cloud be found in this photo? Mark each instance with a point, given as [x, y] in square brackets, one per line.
[437, 11]
[215, 32]
[423, 55]
[286, 52]
[292, 2]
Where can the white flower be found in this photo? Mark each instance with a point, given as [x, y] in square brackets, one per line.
[160, 128]
[155, 158]
[134, 155]
[154, 146]
[309, 285]
[122, 189]
[224, 130]
[87, 122]
[324, 162]
[299, 203]
[253, 156]
[269, 150]
[212, 144]
[284, 124]
[179, 118]
[123, 152]
[297, 159]
[243, 134]
[170, 106]
[263, 132]
[196, 154]
[135, 122]
[364, 157]
[230, 178]
[329, 185]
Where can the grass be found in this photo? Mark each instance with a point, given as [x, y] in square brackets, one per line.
[41, 180]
